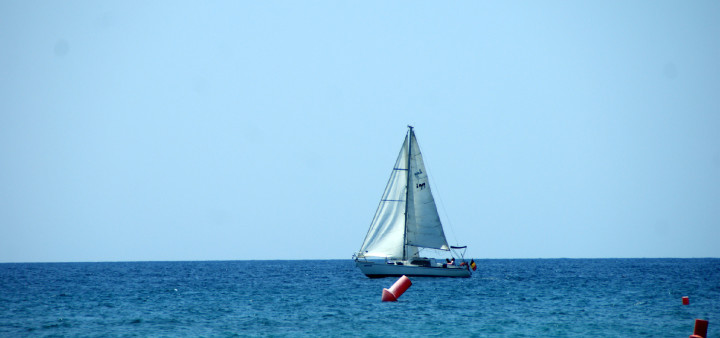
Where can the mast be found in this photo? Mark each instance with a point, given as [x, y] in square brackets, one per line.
[407, 191]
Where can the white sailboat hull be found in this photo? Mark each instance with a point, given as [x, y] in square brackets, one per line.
[379, 270]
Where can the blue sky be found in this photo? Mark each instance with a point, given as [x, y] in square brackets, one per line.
[185, 130]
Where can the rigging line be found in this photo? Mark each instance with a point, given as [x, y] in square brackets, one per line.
[434, 186]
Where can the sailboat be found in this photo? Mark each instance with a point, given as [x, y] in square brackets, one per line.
[406, 222]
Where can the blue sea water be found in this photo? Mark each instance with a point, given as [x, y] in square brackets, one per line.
[504, 298]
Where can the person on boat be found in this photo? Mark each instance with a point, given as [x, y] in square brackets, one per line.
[451, 262]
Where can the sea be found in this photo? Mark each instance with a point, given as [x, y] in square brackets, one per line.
[295, 298]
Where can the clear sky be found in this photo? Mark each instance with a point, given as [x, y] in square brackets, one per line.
[224, 130]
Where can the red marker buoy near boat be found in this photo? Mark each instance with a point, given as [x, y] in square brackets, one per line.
[686, 300]
[700, 329]
[396, 290]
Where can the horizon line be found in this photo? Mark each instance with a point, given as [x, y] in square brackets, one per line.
[333, 259]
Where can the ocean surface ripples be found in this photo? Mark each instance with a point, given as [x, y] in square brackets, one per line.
[517, 298]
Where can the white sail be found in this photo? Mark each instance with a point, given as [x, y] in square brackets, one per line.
[390, 234]
[387, 230]
[423, 225]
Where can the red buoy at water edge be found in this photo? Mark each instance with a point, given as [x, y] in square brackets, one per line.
[700, 329]
[396, 290]
[686, 300]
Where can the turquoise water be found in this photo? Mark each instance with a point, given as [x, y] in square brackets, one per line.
[513, 298]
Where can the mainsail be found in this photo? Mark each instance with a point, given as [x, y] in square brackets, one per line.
[393, 235]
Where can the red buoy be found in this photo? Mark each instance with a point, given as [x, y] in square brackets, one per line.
[700, 329]
[396, 290]
[686, 300]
